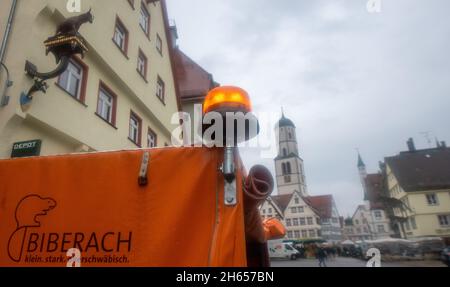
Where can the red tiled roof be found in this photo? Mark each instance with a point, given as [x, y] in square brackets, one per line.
[282, 200]
[194, 82]
[323, 204]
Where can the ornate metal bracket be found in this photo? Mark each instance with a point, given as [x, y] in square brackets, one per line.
[66, 43]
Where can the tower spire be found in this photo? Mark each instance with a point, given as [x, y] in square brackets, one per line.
[360, 161]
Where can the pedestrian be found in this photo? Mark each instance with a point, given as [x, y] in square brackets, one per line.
[321, 256]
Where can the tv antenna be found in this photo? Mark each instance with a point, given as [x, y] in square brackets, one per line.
[427, 136]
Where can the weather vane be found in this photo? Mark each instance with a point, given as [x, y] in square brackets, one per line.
[66, 42]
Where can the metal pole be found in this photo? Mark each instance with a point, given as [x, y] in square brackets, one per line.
[8, 30]
[229, 173]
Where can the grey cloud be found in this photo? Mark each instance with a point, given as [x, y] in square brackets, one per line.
[346, 77]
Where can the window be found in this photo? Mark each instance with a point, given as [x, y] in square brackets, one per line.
[290, 135]
[304, 234]
[413, 222]
[407, 226]
[432, 199]
[318, 221]
[159, 44]
[297, 234]
[295, 221]
[378, 214]
[310, 221]
[287, 178]
[365, 229]
[270, 210]
[302, 221]
[160, 89]
[106, 105]
[264, 211]
[284, 152]
[334, 220]
[356, 221]
[381, 228]
[135, 129]
[312, 233]
[283, 168]
[444, 220]
[288, 222]
[152, 140]
[288, 168]
[300, 209]
[142, 64]
[121, 36]
[289, 234]
[296, 200]
[293, 209]
[74, 79]
[358, 230]
[144, 19]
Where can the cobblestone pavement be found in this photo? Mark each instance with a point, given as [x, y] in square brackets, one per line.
[352, 262]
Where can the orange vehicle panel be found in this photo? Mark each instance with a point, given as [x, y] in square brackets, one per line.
[93, 202]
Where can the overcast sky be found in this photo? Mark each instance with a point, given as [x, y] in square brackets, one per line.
[347, 78]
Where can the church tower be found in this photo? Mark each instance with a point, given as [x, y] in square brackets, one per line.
[289, 168]
[362, 173]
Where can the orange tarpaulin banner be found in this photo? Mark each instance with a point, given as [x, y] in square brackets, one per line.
[93, 203]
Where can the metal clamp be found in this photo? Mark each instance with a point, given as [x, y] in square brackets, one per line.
[229, 174]
[143, 178]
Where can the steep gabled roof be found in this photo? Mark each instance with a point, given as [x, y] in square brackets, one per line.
[282, 201]
[323, 204]
[361, 206]
[422, 169]
[194, 81]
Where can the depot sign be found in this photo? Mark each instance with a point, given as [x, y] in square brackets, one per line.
[26, 149]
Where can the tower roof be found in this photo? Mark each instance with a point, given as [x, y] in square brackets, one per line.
[360, 161]
[285, 122]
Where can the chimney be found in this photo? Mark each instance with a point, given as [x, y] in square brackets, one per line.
[173, 34]
[411, 146]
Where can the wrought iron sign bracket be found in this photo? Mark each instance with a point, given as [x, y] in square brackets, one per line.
[66, 43]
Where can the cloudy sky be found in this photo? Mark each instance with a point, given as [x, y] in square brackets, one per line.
[346, 77]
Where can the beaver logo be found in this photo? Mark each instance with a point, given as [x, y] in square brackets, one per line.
[27, 214]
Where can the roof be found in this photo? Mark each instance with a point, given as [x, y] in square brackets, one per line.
[323, 204]
[194, 82]
[285, 122]
[360, 161]
[374, 190]
[361, 206]
[422, 169]
[282, 200]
